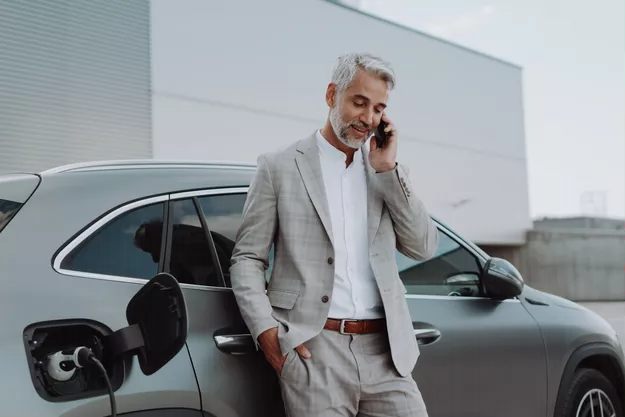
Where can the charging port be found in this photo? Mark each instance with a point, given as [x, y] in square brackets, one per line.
[47, 345]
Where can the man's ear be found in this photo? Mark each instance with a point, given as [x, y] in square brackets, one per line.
[331, 95]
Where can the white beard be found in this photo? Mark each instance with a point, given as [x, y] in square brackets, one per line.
[341, 129]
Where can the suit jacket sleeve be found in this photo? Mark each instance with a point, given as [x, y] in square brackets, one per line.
[415, 231]
[250, 255]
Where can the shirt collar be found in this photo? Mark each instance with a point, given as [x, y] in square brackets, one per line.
[328, 151]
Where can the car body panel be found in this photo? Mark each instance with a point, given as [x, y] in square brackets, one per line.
[567, 327]
[18, 187]
[163, 412]
[226, 379]
[490, 357]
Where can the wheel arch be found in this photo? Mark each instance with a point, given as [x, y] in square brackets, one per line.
[599, 356]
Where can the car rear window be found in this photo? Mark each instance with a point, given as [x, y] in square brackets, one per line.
[15, 189]
[8, 209]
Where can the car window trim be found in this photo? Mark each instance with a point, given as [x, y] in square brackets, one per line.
[209, 191]
[458, 298]
[139, 281]
[163, 260]
[461, 242]
[209, 238]
[167, 233]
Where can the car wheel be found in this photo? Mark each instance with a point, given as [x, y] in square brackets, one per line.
[590, 394]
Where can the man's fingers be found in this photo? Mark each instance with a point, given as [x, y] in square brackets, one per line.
[303, 351]
[373, 145]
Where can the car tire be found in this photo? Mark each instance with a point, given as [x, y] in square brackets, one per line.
[589, 383]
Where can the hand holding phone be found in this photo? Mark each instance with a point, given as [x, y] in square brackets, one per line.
[381, 137]
[384, 153]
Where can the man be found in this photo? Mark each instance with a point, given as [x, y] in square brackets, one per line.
[333, 321]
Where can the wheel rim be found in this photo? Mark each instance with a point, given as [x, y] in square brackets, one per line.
[595, 403]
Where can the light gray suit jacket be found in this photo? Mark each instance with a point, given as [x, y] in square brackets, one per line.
[287, 206]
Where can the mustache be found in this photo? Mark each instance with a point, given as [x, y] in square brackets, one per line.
[361, 126]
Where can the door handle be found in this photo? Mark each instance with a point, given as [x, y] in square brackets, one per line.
[427, 336]
[235, 344]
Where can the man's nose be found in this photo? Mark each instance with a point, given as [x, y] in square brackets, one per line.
[367, 117]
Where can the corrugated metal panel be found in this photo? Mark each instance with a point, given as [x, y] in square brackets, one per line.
[75, 82]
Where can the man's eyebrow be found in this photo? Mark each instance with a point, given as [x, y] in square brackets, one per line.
[362, 97]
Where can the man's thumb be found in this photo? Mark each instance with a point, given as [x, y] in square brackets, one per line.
[303, 351]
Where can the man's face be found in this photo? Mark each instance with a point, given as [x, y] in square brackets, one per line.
[356, 112]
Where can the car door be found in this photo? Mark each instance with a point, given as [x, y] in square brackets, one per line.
[234, 378]
[479, 357]
[96, 275]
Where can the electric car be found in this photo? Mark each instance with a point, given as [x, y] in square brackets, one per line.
[78, 243]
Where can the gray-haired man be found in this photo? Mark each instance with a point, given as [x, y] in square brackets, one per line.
[333, 321]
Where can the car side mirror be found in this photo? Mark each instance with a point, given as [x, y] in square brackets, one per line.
[501, 279]
[157, 318]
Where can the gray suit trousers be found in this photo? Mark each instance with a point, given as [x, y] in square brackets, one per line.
[348, 375]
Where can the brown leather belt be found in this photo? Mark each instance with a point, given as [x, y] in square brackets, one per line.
[356, 326]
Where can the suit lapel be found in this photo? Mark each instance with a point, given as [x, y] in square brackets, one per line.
[374, 201]
[309, 166]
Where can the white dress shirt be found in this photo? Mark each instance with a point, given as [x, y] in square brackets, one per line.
[355, 294]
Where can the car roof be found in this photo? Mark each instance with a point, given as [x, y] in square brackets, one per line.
[105, 165]
[96, 185]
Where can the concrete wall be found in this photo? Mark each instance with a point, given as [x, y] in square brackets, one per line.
[511, 253]
[581, 265]
[580, 223]
[233, 79]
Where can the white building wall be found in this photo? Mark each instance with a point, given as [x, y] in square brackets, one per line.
[233, 79]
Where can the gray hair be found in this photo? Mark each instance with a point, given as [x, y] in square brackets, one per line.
[348, 65]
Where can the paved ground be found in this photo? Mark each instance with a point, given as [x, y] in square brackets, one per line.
[614, 313]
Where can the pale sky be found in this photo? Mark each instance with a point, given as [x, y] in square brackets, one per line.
[573, 58]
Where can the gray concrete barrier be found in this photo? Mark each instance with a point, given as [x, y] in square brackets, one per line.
[580, 265]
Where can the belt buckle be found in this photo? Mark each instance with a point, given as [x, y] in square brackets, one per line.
[342, 327]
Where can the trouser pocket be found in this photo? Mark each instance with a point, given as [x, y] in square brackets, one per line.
[290, 360]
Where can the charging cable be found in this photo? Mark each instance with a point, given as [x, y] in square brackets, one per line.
[81, 357]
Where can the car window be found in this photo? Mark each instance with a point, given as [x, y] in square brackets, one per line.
[8, 209]
[191, 260]
[15, 189]
[223, 214]
[223, 217]
[453, 270]
[127, 246]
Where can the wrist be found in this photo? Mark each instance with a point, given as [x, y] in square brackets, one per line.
[386, 167]
[267, 334]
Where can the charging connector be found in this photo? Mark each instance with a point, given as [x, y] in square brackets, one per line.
[62, 366]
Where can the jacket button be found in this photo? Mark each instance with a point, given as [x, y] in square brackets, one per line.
[330, 260]
[325, 299]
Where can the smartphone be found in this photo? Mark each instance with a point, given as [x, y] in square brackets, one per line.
[381, 137]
